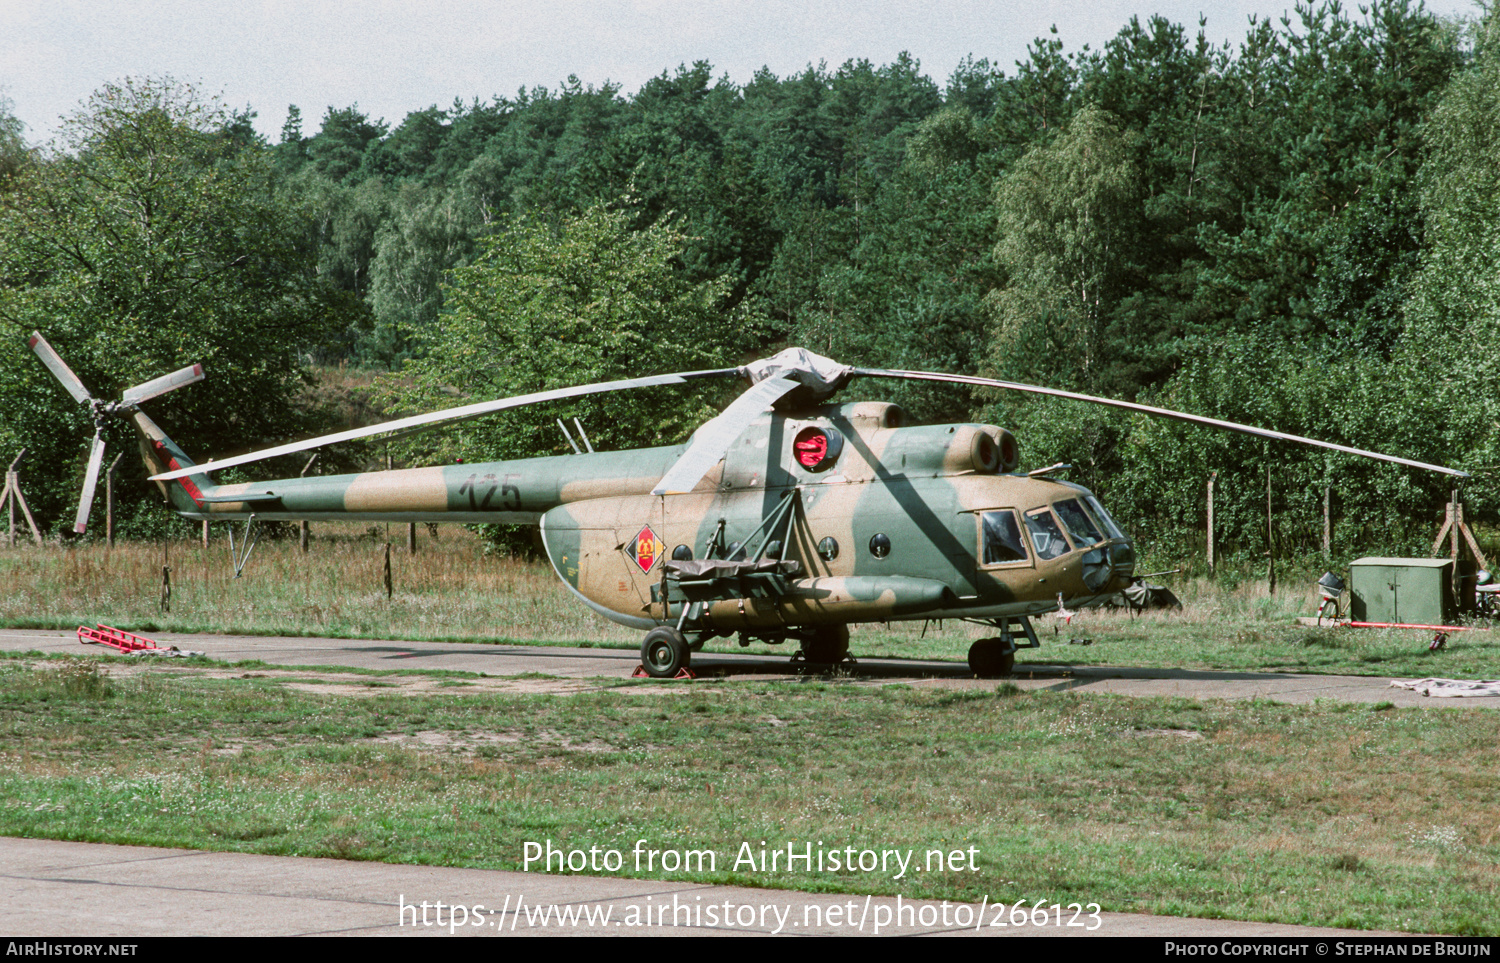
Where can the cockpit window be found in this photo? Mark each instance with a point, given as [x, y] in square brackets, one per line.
[1002, 538]
[1080, 526]
[1103, 516]
[1045, 535]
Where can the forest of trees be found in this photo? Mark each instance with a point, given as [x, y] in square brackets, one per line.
[1297, 230]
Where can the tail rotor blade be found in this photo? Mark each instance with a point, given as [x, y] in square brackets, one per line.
[59, 368]
[90, 482]
[160, 386]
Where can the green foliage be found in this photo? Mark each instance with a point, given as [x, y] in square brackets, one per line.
[411, 149]
[351, 218]
[429, 232]
[1452, 337]
[1326, 118]
[548, 305]
[1069, 214]
[1037, 103]
[1257, 241]
[1349, 399]
[13, 152]
[922, 264]
[151, 241]
[1295, 230]
[338, 152]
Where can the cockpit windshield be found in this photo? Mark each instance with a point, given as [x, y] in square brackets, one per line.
[1080, 526]
[1103, 517]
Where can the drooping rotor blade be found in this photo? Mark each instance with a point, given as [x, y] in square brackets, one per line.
[160, 386]
[1157, 412]
[90, 482]
[451, 414]
[712, 440]
[59, 368]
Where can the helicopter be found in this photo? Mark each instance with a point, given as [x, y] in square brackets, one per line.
[787, 518]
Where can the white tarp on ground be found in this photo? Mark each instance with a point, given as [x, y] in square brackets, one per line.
[1450, 688]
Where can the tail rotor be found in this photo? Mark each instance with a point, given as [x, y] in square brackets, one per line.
[102, 410]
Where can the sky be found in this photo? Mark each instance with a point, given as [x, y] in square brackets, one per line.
[394, 56]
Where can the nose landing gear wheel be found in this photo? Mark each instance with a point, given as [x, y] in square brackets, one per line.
[989, 660]
[664, 653]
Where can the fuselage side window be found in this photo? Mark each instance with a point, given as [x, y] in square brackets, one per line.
[1001, 535]
[1045, 535]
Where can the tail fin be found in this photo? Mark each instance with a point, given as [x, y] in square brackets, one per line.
[161, 454]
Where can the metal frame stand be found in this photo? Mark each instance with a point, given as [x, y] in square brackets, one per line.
[251, 534]
[12, 495]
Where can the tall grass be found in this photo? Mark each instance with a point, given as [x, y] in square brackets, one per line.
[448, 589]
[451, 590]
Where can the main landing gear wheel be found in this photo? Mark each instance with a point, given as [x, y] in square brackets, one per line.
[989, 660]
[827, 646]
[665, 652]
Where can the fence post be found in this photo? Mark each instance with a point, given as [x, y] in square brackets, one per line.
[1270, 538]
[1327, 526]
[304, 521]
[1211, 477]
[109, 503]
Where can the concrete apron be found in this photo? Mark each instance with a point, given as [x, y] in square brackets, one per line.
[62, 889]
[579, 663]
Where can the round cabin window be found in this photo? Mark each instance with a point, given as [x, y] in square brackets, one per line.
[880, 545]
[828, 549]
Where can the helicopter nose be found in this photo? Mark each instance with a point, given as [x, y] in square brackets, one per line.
[1107, 568]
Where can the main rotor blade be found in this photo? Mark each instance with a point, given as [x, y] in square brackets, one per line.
[1157, 412]
[451, 414]
[160, 386]
[712, 440]
[90, 482]
[59, 368]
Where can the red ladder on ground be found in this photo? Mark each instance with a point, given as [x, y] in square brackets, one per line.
[117, 639]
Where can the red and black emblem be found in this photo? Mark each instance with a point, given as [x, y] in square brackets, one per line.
[646, 549]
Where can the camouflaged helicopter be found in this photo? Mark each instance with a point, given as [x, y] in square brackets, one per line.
[787, 518]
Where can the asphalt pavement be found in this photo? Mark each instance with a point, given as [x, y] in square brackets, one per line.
[62, 889]
[579, 663]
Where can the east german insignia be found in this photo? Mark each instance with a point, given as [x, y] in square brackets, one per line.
[647, 549]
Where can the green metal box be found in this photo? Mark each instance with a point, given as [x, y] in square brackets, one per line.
[1415, 591]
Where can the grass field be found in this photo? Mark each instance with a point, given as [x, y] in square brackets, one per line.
[450, 591]
[1336, 814]
[1328, 814]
